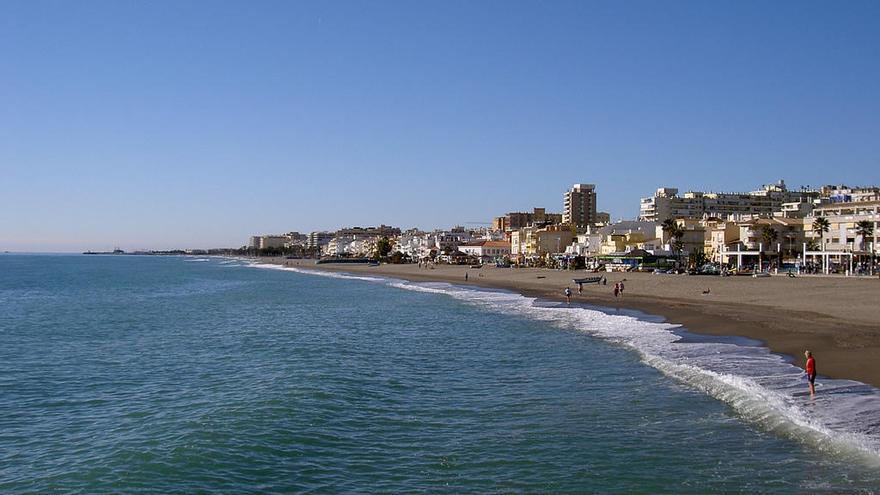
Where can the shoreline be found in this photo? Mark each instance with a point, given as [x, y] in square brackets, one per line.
[833, 317]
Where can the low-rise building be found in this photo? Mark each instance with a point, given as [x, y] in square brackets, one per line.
[539, 241]
[486, 249]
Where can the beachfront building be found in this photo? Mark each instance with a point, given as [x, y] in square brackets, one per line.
[410, 243]
[357, 241]
[351, 246]
[844, 248]
[666, 203]
[429, 245]
[586, 244]
[539, 241]
[486, 249]
[622, 239]
[579, 206]
[787, 239]
[449, 240]
[720, 234]
[843, 218]
[645, 232]
[694, 235]
[336, 247]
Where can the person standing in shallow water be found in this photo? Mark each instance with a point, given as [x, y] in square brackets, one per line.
[810, 370]
[568, 295]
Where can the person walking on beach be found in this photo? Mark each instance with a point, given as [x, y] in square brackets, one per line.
[465, 276]
[621, 287]
[616, 289]
[568, 295]
[580, 288]
[810, 370]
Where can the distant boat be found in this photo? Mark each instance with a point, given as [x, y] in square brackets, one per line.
[587, 280]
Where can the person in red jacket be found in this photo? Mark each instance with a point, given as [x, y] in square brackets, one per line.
[811, 372]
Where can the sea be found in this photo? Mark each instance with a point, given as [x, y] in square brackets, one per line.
[166, 375]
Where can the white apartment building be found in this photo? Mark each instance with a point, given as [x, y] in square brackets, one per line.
[268, 241]
[318, 239]
[842, 219]
[666, 203]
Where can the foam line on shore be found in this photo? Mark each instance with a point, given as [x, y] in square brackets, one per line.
[762, 387]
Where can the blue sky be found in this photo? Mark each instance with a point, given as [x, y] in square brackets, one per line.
[195, 124]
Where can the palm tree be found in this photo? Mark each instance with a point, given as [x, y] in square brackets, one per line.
[675, 233]
[768, 235]
[669, 225]
[865, 228]
[821, 225]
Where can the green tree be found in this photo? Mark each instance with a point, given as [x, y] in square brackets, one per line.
[698, 258]
[821, 225]
[768, 236]
[865, 228]
[383, 247]
[675, 232]
[669, 227]
[397, 258]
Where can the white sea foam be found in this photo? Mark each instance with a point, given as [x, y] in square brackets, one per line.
[317, 272]
[762, 387]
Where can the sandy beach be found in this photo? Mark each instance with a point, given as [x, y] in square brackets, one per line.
[836, 318]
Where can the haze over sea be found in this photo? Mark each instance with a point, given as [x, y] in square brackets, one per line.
[123, 374]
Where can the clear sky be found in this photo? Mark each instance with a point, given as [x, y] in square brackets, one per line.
[159, 124]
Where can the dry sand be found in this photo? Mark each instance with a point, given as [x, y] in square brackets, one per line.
[837, 318]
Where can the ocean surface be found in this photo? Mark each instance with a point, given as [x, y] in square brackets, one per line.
[126, 374]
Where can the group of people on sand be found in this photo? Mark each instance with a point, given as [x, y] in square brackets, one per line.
[618, 290]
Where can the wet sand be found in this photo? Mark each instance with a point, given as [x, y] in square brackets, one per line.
[837, 318]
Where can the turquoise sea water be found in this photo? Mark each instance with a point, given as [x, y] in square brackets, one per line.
[180, 375]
